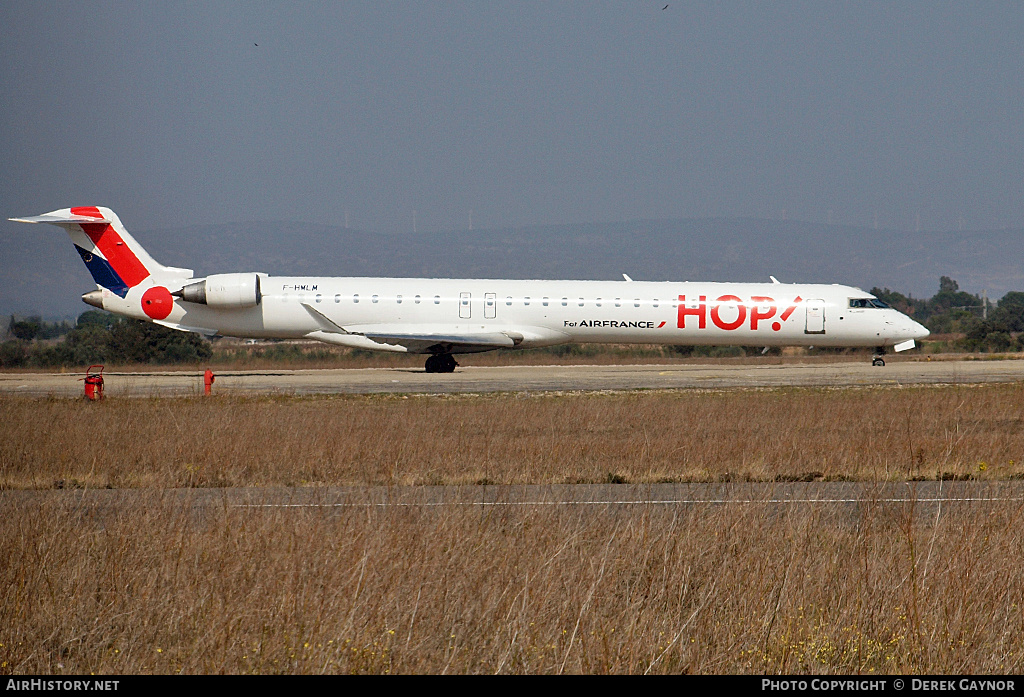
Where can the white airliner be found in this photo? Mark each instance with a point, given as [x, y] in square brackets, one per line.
[443, 317]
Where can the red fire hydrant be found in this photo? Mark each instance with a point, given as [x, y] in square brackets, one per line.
[207, 381]
[93, 383]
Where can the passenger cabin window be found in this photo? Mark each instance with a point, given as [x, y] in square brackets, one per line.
[355, 298]
[319, 297]
[565, 301]
[655, 302]
[416, 300]
[437, 299]
[373, 299]
[618, 302]
[581, 302]
[598, 302]
[337, 298]
[398, 299]
[636, 302]
[544, 302]
[526, 300]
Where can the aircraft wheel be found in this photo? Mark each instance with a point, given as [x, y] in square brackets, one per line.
[877, 360]
[441, 363]
[448, 363]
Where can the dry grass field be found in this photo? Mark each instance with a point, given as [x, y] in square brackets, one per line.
[701, 590]
[157, 587]
[739, 435]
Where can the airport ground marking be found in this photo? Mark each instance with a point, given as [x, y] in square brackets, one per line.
[660, 502]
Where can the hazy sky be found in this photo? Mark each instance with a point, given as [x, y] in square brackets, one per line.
[521, 112]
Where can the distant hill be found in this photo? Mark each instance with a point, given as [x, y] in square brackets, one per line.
[40, 273]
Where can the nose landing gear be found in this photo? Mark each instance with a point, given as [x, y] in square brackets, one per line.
[441, 363]
[878, 359]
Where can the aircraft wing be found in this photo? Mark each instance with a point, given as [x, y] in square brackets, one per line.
[442, 342]
[425, 338]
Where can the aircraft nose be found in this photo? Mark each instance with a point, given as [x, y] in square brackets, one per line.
[917, 330]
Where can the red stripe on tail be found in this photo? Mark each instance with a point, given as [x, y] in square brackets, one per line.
[120, 257]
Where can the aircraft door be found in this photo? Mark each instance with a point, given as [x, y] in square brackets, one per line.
[815, 323]
[490, 305]
[465, 309]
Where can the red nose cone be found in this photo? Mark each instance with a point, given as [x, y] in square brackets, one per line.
[157, 302]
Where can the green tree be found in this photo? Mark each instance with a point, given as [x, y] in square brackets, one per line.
[26, 329]
[13, 354]
[987, 335]
[1010, 311]
[951, 310]
[99, 318]
[906, 304]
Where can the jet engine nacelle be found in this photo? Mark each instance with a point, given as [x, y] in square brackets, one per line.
[224, 290]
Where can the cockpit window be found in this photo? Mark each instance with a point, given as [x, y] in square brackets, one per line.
[868, 302]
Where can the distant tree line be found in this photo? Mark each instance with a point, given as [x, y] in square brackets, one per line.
[30, 328]
[98, 337]
[977, 325]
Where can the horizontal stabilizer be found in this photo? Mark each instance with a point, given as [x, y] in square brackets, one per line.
[115, 259]
[58, 217]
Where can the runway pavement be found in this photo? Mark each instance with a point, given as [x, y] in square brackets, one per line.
[522, 378]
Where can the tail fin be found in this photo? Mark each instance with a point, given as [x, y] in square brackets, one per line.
[115, 260]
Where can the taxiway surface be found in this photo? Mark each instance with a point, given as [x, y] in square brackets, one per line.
[523, 378]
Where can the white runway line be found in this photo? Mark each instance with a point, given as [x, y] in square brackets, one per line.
[667, 502]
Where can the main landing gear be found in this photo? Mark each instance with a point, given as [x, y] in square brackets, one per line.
[878, 359]
[441, 363]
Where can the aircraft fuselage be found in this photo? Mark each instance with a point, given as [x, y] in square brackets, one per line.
[442, 317]
[545, 313]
